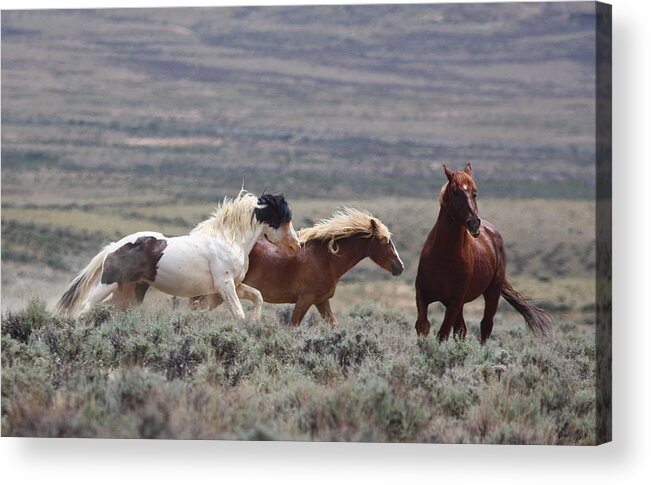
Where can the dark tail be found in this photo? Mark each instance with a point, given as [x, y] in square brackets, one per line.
[538, 320]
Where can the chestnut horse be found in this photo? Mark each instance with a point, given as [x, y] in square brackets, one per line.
[329, 249]
[463, 258]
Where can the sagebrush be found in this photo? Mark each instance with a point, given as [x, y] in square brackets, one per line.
[192, 375]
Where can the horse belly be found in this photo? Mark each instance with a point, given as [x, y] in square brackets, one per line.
[474, 293]
[271, 286]
[181, 272]
[444, 282]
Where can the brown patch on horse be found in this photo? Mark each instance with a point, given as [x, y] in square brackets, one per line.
[134, 261]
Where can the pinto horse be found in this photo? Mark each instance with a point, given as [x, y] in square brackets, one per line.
[328, 250]
[213, 258]
[463, 258]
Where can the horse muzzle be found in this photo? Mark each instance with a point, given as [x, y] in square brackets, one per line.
[285, 238]
[292, 248]
[396, 268]
[473, 226]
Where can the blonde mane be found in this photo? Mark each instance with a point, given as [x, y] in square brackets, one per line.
[232, 219]
[344, 223]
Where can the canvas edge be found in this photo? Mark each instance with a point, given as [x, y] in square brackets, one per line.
[603, 150]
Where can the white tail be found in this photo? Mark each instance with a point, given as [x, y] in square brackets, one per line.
[79, 289]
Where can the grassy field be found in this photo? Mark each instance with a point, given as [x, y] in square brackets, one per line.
[191, 375]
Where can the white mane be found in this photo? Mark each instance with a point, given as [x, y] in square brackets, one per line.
[232, 219]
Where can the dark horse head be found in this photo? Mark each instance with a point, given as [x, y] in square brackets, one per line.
[459, 198]
[274, 212]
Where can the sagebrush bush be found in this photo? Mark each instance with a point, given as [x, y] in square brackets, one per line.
[199, 375]
[20, 326]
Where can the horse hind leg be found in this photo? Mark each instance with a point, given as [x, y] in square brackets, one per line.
[129, 295]
[100, 293]
[491, 300]
[206, 302]
[213, 301]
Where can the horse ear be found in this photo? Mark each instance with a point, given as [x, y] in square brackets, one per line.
[468, 169]
[373, 226]
[448, 174]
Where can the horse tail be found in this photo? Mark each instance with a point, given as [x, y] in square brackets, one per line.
[79, 288]
[538, 320]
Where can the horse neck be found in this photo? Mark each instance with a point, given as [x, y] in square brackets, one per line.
[350, 252]
[450, 236]
[251, 238]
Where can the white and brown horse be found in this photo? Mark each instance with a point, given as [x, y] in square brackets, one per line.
[213, 258]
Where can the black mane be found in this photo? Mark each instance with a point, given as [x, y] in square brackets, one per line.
[275, 212]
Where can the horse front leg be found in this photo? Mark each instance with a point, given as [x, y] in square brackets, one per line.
[249, 293]
[452, 313]
[422, 322]
[228, 292]
[460, 329]
[326, 313]
[300, 309]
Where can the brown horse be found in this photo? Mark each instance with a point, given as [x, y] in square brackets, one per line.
[328, 250]
[463, 258]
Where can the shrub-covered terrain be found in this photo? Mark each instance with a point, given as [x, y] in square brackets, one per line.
[189, 375]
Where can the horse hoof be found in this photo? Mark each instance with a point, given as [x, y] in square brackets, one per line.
[422, 329]
[441, 337]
